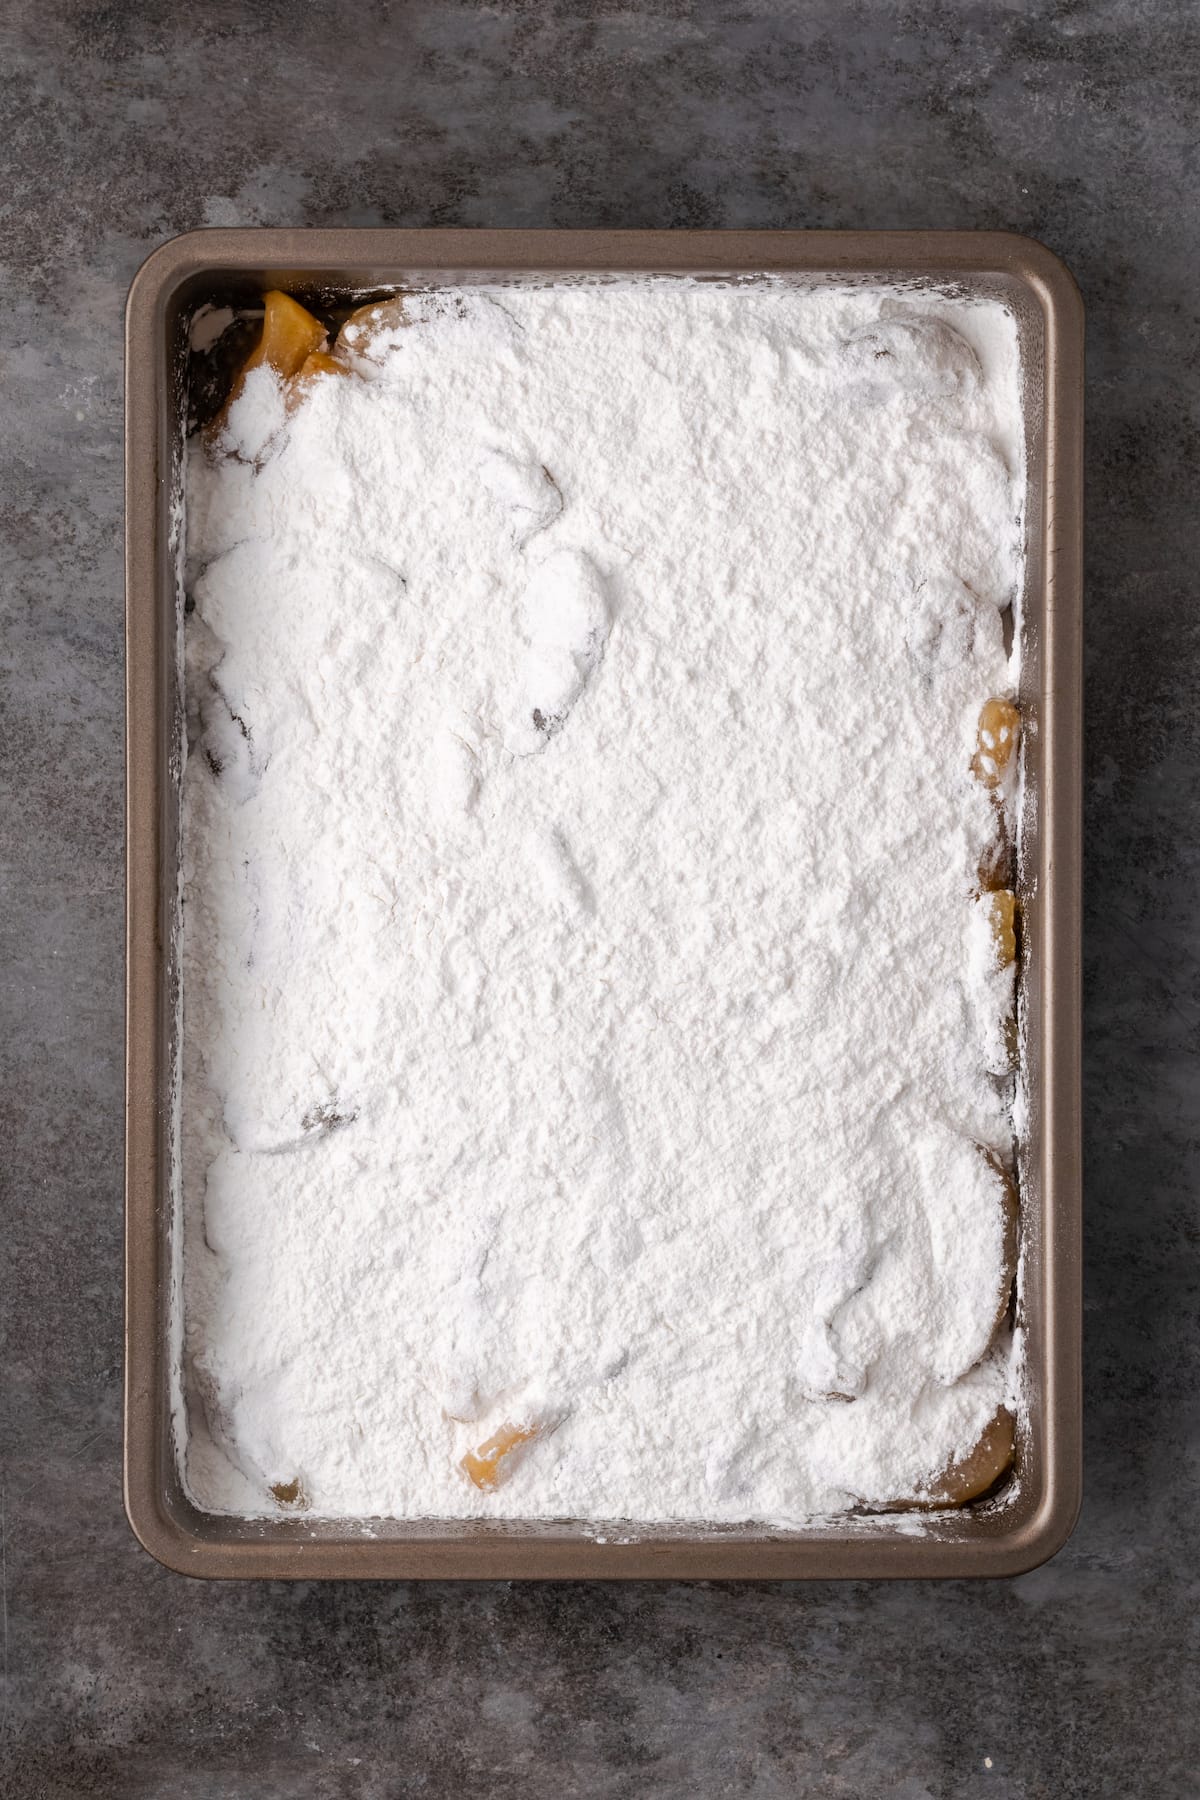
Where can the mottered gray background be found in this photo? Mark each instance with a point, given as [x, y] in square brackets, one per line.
[122, 124]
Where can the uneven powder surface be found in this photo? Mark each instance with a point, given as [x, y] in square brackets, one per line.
[586, 1015]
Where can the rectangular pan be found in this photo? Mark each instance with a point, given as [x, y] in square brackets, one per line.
[1002, 1536]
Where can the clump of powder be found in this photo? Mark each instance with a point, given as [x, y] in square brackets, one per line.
[585, 1015]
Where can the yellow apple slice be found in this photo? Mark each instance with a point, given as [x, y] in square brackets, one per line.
[289, 336]
[313, 369]
[996, 739]
[485, 1465]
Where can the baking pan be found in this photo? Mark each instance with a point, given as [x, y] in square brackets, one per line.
[1032, 1515]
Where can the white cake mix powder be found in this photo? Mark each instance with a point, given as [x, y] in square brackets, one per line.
[586, 1019]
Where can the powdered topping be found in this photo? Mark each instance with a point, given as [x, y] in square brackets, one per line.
[590, 1019]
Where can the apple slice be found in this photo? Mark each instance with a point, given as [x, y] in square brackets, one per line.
[1001, 908]
[485, 1465]
[996, 738]
[980, 1469]
[289, 335]
[358, 334]
[314, 367]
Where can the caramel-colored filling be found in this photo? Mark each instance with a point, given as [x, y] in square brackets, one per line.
[996, 738]
[1002, 917]
[997, 864]
[485, 1465]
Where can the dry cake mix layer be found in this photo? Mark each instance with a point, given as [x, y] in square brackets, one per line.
[597, 996]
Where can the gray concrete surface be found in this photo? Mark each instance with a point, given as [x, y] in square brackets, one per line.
[123, 124]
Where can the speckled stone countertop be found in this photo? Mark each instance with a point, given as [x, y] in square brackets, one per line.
[126, 123]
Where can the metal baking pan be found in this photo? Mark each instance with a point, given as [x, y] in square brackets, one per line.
[1032, 1516]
